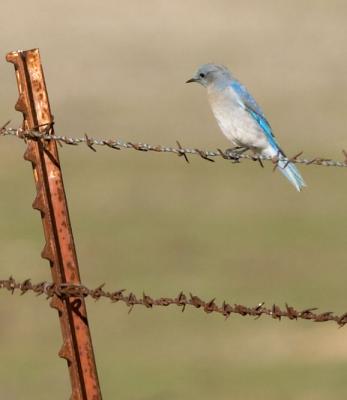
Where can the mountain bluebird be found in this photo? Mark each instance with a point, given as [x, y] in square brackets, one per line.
[241, 119]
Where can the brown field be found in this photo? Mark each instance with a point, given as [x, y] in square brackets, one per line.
[151, 222]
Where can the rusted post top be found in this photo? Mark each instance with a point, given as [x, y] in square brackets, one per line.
[51, 202]
[33, 98]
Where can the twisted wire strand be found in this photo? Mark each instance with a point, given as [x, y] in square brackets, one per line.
[118, 144]
[182, 301]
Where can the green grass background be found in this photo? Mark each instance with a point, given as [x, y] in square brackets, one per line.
[151, 222]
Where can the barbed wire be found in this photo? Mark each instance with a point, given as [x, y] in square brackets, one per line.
[67, 290]
[208, 155]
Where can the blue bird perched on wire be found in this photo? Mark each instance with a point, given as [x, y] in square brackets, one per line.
[241, 119]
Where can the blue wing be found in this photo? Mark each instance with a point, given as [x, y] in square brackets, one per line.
[256, 112]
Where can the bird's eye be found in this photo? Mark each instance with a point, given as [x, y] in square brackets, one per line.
[202, 75]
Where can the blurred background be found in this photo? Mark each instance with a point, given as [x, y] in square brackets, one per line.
[151, 222]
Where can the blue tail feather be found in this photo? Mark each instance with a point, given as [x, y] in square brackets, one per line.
[292, 174]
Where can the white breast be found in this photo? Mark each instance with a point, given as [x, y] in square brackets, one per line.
[234, 121]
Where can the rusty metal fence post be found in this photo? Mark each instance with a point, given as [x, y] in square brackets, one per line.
[51, 202]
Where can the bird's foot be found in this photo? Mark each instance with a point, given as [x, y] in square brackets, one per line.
[235, 152]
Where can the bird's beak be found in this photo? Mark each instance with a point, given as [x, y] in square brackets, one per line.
[191, 80]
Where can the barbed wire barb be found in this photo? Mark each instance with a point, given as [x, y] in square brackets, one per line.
[66, 290]
[207, 155]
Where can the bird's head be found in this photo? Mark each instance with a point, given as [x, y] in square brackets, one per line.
[211, 74]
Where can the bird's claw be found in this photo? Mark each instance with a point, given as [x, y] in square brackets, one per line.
[235, 152]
